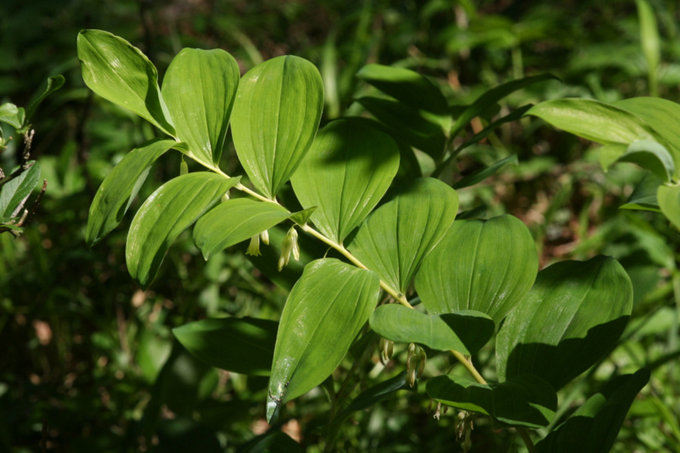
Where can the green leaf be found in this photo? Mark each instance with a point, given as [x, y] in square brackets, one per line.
[649, 154]
[14, 193]
[234, 221]
[272, 441]
[302, 217]
[480, 175]
[512, 116]
[406, 86]
[602, 123]
[649, 38]
[594, 426]
[407, 124]
[571, 318]
[483, 265]
[12, 115]
[276, 114]
[346, 172]
[492, 96]
[669, 202]
[324, 312]
[241, 345]
[53, 84]
[120, 187]
[121, 73]
[526, 400]
[397, 236]
[463, 331]
[662, 116]
[171, 209]
[644, 195]
[199, 89]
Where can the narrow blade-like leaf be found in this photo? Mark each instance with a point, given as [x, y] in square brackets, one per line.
[171, 209]
[481, 174]
[15, 192]
[276, 114]
[199, 89]
[53, 84]
[345, 174]
[120, 187]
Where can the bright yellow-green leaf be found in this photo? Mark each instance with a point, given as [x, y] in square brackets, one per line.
[121, 73]
[199, 90]
[276, 115]
[345, 174]
[669, 202]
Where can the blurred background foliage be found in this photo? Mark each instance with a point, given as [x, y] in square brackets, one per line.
[89, 362]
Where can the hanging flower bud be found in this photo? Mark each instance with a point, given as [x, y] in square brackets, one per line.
[294, 239]
[254, 246]
[183, 167]
[415, 363]
[289, 245]
[385, 348]
[264, 237]
[464, 426]
[225, 197]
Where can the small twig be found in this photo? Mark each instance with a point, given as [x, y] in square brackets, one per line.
[37, 201]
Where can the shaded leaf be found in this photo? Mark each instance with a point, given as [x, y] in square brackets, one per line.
[120, 187]
[15, 192]
[483, 173]
[397, 236]
[323, 314]
[526, 400]
[121, 73]
[234, 221]
[571, 318]
[649, 154]
[481, 135]
[644, 195]
[241, 345]
[53, 84]
[273, 441]
[276, 114]
[199, 89]
[346, 172]
[669, 202]
[463, 331]
[171, 209]
[483, 265]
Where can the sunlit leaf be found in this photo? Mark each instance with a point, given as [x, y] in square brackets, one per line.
[171, 209]
[570, 319]
[121, 73]
[120, 187]
[12, 115]
[482, 265]
[669, 202]
[345, 174]
[397, 236]
[15, 192]
[199, 89]
[323, 314]
[276, 114]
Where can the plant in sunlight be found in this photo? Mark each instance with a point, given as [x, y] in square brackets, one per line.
[398, 263]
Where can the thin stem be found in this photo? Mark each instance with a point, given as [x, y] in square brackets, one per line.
[469, 366]
[524, 434]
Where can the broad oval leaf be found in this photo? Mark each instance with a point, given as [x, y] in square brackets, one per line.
[276, 114]
[323, 314]
[463, 331]
[644, 195]
[526, 400]
[234, 221]
[649, 154]
[397, 236]
[120, 187]
[602, 123]
[241, 345]
[171, 209]
[406, 86]
[594, 426]
[345, 174]
[121, 73]
[199, 89]
[12, 115]
[13, 194]
[482, 265]
[571, 318]
[669, 202]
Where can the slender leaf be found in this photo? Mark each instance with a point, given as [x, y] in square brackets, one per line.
[120, 187]
[323, 314]
[121, 73]
[481, 135]
[171, 209]
[463, 331]
[234, 221]
[273, 441]
[12, 115]
[406, 86]
[199, 89]
[241, 345]
[594, 426]
[649, 38]
[481, 174]
[526, 400]
[347, 171]
[644, 195]
[276, 114]
[394, 239]
[53, 84]
[14, 193]
[669, 202]
[571, 318]
[492, 96]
